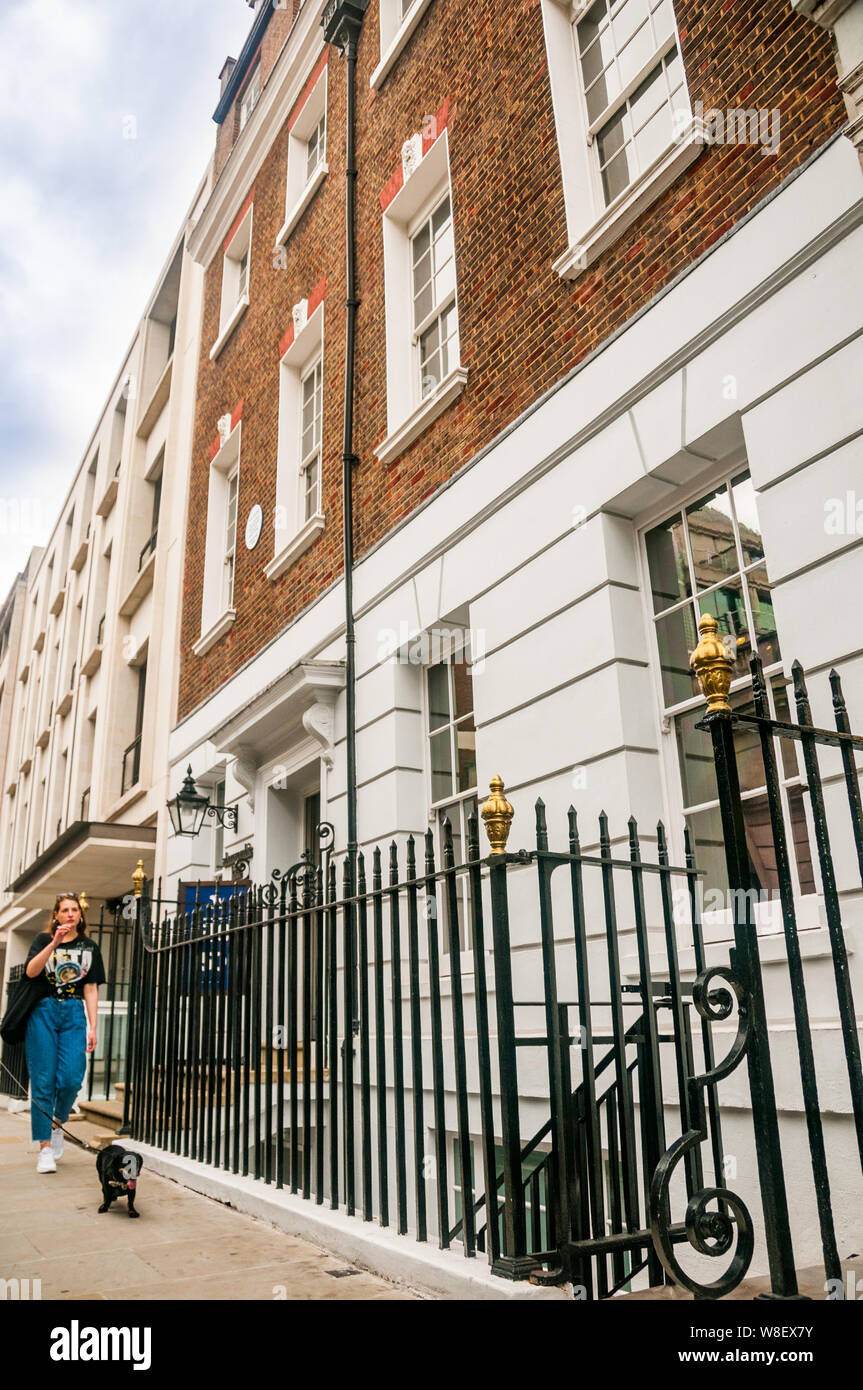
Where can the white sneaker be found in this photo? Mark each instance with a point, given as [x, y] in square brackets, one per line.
[45, 1162]
[57, 1143]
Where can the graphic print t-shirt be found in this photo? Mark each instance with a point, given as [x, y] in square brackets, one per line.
[72, 964]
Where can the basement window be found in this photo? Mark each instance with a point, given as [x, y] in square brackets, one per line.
[708, 556]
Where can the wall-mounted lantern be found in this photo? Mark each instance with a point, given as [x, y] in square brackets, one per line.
[188, 808]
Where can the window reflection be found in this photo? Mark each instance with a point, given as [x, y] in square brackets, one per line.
[709, 558]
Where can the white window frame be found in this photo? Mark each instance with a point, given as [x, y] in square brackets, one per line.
[593, 226]
[236, 275]
[318, 141]
[717, 925]
[314, 373]
[217, 617]
[456, 654]
[536, 1159]
[299, 532]
[251, 96]
[300, 185]
[408, 412]
[397, 24]
[229, 545]
[439, 308]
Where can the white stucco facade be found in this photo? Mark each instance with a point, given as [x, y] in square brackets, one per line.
[95, 680]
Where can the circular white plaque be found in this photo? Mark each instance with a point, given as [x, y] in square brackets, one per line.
[254, 526]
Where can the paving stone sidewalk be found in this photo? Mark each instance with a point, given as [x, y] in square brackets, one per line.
[184, 1246]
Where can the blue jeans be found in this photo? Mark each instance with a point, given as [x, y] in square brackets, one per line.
[55, 1046]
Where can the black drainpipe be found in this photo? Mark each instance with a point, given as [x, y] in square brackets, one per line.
[342, 22]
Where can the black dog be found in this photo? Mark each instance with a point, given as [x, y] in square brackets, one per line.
[118, 1170]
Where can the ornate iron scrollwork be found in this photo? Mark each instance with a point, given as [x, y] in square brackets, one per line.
[304, 871]
[227, 816]
[709, 1232]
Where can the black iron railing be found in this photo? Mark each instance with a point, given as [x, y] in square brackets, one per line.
[572, 1104]
[131, 766]
[720, 725]
[148, 548]
[113, 932]
[14, 1077]
[229, 1070]
[114, 935]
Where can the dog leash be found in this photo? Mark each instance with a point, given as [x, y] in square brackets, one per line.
[73, 1138]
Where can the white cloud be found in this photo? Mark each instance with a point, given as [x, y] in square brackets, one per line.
[88, 216]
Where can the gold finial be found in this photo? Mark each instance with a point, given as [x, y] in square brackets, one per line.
[82, 902]
[138, 878]
[497, 815]
[712, 664]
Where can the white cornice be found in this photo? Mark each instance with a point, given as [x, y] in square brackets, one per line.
[250, 731]
[823, 12]
[283, 86]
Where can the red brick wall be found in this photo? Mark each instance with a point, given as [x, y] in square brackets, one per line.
[521, 326]
[275, 34]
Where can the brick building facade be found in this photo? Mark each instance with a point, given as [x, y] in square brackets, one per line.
[522, 326]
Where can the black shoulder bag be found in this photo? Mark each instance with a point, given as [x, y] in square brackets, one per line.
[24, 995]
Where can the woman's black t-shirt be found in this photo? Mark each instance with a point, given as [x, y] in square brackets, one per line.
[72, 964]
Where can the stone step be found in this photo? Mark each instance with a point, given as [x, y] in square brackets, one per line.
[240, 1075]
[106, 1113]
[97, 1136]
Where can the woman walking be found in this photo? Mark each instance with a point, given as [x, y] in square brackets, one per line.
[61, 1030]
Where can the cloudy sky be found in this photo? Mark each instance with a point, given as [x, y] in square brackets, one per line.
[88, 215]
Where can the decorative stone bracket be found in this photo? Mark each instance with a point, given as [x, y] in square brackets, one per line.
[300, 701]
[245, 770]
[319, 721]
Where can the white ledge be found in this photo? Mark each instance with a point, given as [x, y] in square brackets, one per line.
[140, 587]
[156, 403]
[302, 203]
[631, 203]
[823, 12]
[209, 638]
[401, 37]
[295, 547]
[428, 410]
[241, 307]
